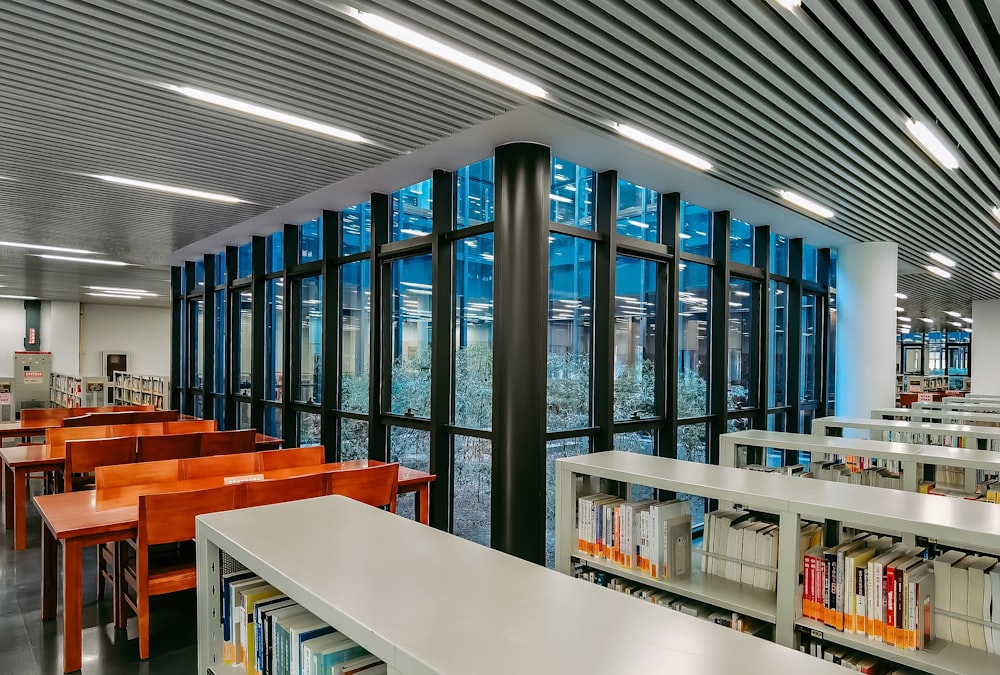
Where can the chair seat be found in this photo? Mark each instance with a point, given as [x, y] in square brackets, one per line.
[171, 568]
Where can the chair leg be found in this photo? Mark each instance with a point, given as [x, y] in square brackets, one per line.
[142, 602]
[100, 572]
[119, 583]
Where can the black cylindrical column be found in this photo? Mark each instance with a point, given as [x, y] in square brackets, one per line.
[520, 349]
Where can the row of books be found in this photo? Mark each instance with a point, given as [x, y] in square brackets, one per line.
[152, 384]
[967, 610]
[651, 537]
[840, 472]
[849, 658]
[695, 608]
[268, 633]
[741, 546]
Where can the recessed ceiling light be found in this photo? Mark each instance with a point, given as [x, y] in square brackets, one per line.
[41, 247]
[268, 114]
[128, 291]
[171, 189]
[942, 258]
[117, 295]
[951, 312]
[442, 51]
[662, 146]
[899, 309]
[966, 319]
[83, 260]
[996, 275]
[996, 212]
[934, 146]
[807, 204]
[944, 274]
[790, 4]
[901, 296]
[926, 320]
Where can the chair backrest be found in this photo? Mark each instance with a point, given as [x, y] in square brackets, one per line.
[37, 415]
[56, 437]
[189, 426]
[291, 457]
[113, 408]
[228, 442]
[259, 493]
[146, 473]
[169, 516]
[84, 456]
[170, 446]
[374, 485]
[218, 465]
[95, 418]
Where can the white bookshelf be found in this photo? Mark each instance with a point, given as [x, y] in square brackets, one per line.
[425, 601]
[133, 389]
[69, 391]
[979, 406]
[935, 413]
[955, 521]
[928, 433]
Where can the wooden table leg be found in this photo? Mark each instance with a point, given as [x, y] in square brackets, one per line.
[121, 554]
[20, 509]
[50, 572]
[72, 606]
[423, 504]
[8, 497]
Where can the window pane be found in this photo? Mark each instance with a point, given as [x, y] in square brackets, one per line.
[777, 355]
[199, 274]
[693, 333]
[738, 424]
[356, 229]
[310, 340]
[692, 446]
[640, 442]
[779, 254]
[274, 252]
[571, 200]
[809, 260]
[741, 353]
[220, 268]
[569, 339]
[566, 447]
[197, 331]
[808, 360]
[219, 409]
[199, 411]
[474, 332]
[244, 262]
[272, 421]
[831, 352]
[637, 212]
[243, 342]
[473, 488]
[474, 184]
[411, 336]
[243, 415]
[219, 358]
[411, 448]
[740, 242]
[353, 439]
[311, 240]
[309, 429]
[411, 211]
[355, 328]
[696, 229]
[274, 346]
[635, 338]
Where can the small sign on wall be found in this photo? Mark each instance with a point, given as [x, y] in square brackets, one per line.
[925, 397]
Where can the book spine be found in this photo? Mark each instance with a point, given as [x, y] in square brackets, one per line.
[860, 607]
[889, 632]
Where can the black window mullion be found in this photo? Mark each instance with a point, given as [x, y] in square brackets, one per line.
[719, 330]
[208, 341]
[290, 258]
[176, 309]
[380, 356]
[794, 310]
[667, 309]
[762, 323]
[442, 349]
[329, 398]
[258, 309]
[232, 324]
[605, 259]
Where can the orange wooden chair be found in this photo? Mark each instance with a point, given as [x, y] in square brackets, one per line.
[374, 485]
[228, 442]
[259, 493]
[218, 465]
[146, 473]
[167, 518]
[170, 446]
[291, 457]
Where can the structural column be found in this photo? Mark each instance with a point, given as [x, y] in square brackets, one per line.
[985, 365]
[866, 328]
[520, 349]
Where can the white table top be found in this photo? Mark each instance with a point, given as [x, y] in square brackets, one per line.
[435, 603]
[906, 425]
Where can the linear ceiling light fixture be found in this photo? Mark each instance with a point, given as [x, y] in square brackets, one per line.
[170, 188]
[442, 51]
[790, 4]
[807, 204]
[40, 247]
[996, 275]
[662, 146]
[941, 258]
[966, 319]
[267, 113]
[951, 312]
[126, 291]
[926, 320]
[116, 295]
[933, 145]
[18, 297]
[901, 296]
[94, 261]
[944, 274]
[899, 309]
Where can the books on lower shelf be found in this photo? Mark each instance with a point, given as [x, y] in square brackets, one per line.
[850, 658]
[741, 546]
[130, 389]
[267, 633]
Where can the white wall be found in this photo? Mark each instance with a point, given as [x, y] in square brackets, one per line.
[985, 366]
[11, 334]
[141, 332]
[60, 328]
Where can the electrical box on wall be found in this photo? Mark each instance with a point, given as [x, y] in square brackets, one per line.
[32, 371]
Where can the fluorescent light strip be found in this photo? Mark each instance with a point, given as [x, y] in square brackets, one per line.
[127, 291]
[170, 188]
[268, 113]
[18, 297]
[807, 204]
[942, 258]
[933, 145]
[41, 247]
[951, 312]
[996, 275]
[901, 296]
[662, 146]
[83, 260]
[926, 320]
[899, 309]
[560, 198]
[966, 319]
[790, 4]
[116, 295]
[944, 274]
[996, 212]
[442, 51]
[956, 323]
[904, 319]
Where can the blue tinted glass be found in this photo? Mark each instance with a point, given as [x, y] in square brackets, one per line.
[274, 252]
[244, 262]
[779, 254]
[911, 338]
[219, 368]
[199, 274]
[473, 357]
[475, 194]
[571, 196]
[311, 241]
[220, 268]
[809, 260]
[356, 229]
[637, 212]
[696, 229]
[411, 211]
[740, 242]
[833, 269]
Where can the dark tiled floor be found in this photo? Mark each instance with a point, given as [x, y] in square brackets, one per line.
[30, 646]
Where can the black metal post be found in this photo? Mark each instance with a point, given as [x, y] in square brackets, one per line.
[442, 349]
[330, 361]
[176, 312]
[719, 328]
[603, 311]
[258, 252]
[380, 357]
[208, 341]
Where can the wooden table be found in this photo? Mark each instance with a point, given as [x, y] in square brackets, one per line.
[20, 460]
[19, 430]
[95, 517]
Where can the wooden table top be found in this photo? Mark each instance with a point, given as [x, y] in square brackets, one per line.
[75, 514]
[18, 428]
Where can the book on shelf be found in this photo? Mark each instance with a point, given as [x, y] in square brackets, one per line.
[742, 546]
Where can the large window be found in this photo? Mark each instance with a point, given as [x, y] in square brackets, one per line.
[570, 332]
[777, 380]
[637, 214]
[411, 337]
[355, 333]
[411, 211]
[740, 340]
[356, 229]
[696, 230]
[571, 200]
[693, 340]
[635, 338]
[473, 358]
[243, 342]
[274, 344]
[310, 335]
[197, 331]
[219, 357]
[809, 387]
[475, 194]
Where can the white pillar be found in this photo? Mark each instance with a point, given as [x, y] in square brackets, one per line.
[866, 328]
[985, 366]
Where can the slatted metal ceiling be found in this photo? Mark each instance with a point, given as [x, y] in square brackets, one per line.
[812, 99]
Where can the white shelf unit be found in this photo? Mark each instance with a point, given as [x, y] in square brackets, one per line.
[938, 414]
[979, 406]
[69, 391]
[425, 601]
[955, 521]
[133, 389]
[927, 433]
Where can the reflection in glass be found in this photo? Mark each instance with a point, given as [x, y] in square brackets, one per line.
[571, 197]
[356, 229]
[274, 345]
[635, 338]
[777, 355]
[309, 429]
[219, 409]
[411, 448]
[219, 358]
[692, 446]
[198, 403]
[353, 439]
[639, 442]
[411, 336]
[637, 212]
[809, 262]
[554, 450]
[243, 342]
[311, 240]
[473, 488]
[740, 344]
[740, 242]
[199, 274]
[220, 268]
[696, 229]
[473, 358]
[198, 326]
[274, 256]
[411, 211]
[272, 421]
[355, 330]
[570, 332]
[474, 184]
[693, 340]
[809, 390]
[310, 331]
[243, 415]
[779, 254]
[244, 260]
